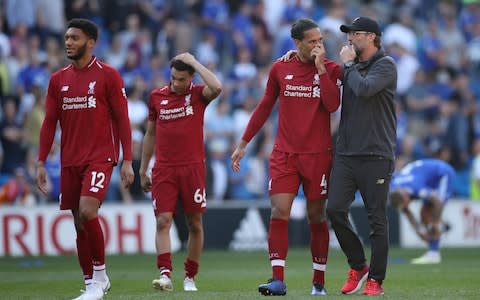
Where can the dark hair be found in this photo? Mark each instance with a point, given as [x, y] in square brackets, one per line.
[300, 26]
[88, 27]
[181, 66]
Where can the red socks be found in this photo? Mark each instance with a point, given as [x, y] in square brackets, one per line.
[95, 238]
[84, 254]
[191, 268]
[319, 242]
[278, 246]
[164, 263]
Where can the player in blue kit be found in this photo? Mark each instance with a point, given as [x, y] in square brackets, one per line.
[430, 180]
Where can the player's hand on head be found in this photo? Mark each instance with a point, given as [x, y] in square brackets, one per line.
[288, 56]
[126, 173]
[186, 57]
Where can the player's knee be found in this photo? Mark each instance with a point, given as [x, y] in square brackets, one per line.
[163, 222]
[194, 223]
[280, 212]
[195, 228]
[86, 213]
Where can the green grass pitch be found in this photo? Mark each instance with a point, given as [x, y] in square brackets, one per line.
[236, 275]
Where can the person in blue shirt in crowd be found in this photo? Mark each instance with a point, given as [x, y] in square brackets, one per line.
[431, 181]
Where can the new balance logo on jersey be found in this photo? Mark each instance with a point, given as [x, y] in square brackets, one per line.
[289, 77]
[380, 181]
[64, 88]
[164, 102]
[91, 87]
[92, 102]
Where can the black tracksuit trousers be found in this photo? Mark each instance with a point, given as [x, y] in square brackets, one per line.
[370, 175]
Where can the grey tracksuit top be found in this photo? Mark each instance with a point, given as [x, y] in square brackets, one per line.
[368, 121]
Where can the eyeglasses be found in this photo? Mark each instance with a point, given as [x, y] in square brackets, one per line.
[357, 33]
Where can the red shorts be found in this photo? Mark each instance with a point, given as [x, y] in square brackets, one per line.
[186, 182]
[289, 170]
[90, 180]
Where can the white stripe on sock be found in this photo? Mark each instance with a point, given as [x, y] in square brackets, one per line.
[99, 267]
[164, 270]
[319, 267]
[278, 262]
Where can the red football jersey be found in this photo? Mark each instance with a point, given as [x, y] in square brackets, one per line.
[306, 100]
[91, 105]
[178, 125]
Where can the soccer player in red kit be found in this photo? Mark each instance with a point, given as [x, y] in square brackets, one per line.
[88, 99]
[175, 133]
[307, 91]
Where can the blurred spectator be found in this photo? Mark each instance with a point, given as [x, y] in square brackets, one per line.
[50, 18]
[407, 67]
[450, 35]
[5, 47]
[431, 53]
[53, 167]
[333, 38]
[135, 191]
[218, 138]
[20, 12]
[475, 172]
[33, 120]
[421, 104]
[205, 50]
[237, 181]
[116, 54]
[16, 190]
[15, 63]
[469, 17]
[242, 75]
[137, 106]
[87, 9]
[242, 29]
[154, 12]
[11, 137]
[215, 19]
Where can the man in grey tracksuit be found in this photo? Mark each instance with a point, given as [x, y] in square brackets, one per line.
[365, 152]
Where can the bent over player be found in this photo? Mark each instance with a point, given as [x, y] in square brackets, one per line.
[307, 92]
[431, 181]
[175, 133]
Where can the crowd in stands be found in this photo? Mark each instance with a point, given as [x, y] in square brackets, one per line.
[436, 45]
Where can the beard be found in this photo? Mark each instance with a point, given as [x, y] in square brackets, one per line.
[79, 54]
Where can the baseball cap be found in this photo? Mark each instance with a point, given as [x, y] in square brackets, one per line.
[362, 24]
